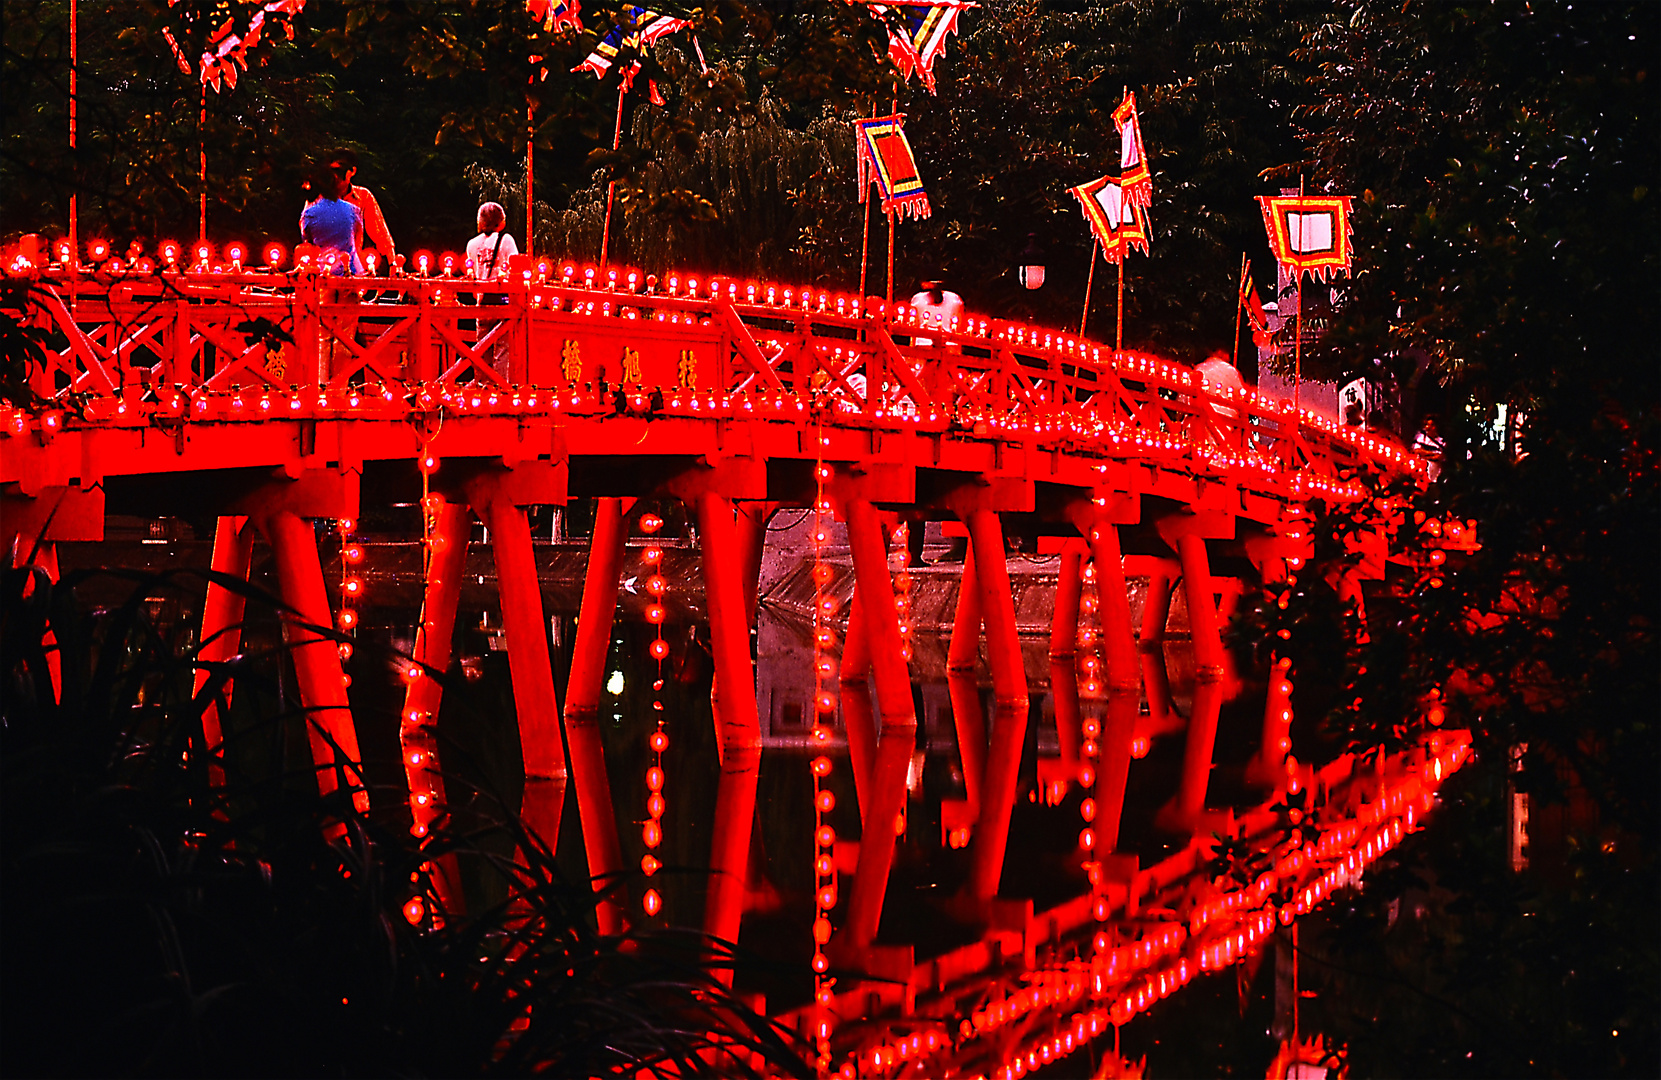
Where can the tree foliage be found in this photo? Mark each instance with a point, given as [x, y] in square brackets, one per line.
[1508, 245]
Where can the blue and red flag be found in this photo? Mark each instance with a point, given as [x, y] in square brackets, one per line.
[635, 29]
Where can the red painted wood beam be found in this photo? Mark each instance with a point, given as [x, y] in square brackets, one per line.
[858, 721]
[880, 815]
[222, 613]
[45, 554]
[739, 730]
[1156, 680]
[1009, 719]
[317, 670]
[418, 723]
[749, 537]
[1069, 587]
[1208, 681]
[1118, 638]
[1268, 765]
[750, 524]
[582, 706]
[541, 744]
[962, 656]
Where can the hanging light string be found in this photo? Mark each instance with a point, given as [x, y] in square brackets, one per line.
[900, 583]
[651, 833]
[825, 605]
[1092, 690]
[351, 586]
[416, 728]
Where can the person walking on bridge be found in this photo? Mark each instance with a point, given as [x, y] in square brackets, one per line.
[938, 306]
[345, 160]
[331, 223]
[488, 255]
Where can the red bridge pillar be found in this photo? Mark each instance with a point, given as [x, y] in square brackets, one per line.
[739, 725]
[1069, 587]
[1099, 524]
[418, 724]
[334, 739]
[885, 788]
[860, 725]
[222, 613]
[32, 525]
[1156, 611]
[582, 704]
[1188, 533]
[1268, 766]
[541, 744]
[963, 653]
[1009, 687]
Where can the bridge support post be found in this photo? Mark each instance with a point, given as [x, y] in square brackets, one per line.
[739, 725]
[880, 812]
[32, 525]
[541, 744]
[334, 740]
[1009, 687]
[858, 722]
[1267, 767]
[749, 536]
[1118, 638]
[222, 612]
[968, 716]
[1069, 587]
[418, 724]
[751, 525]
[1187, 810]
[1156, 680]
[46, 559]
[582, 706]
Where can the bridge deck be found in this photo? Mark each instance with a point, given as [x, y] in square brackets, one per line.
[183, 372]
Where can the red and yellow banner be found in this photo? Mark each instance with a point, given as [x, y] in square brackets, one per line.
[1117, 223]
[1134, 176]
[885, 159]
[1309, 233]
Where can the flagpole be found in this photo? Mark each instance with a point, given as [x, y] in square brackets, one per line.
[865, 215]
[1088, 283]
[530, 171]
[611, 188]
[1297, 339]
[1239, 306]
[74, 162]
[1119, 334]
[865, 241]
[894, 108]
[202, 146]
[890, 257]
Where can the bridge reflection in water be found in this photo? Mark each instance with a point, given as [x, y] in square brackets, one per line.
[264, 400]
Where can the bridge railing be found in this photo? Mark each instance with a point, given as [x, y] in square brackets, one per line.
[230, 346]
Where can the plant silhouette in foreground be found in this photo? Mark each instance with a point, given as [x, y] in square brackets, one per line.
[156, 923]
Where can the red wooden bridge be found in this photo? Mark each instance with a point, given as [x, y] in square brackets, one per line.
[264, 395]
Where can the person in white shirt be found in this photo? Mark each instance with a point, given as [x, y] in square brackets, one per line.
[1220, 373]
[938, 306]
[488, 253]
